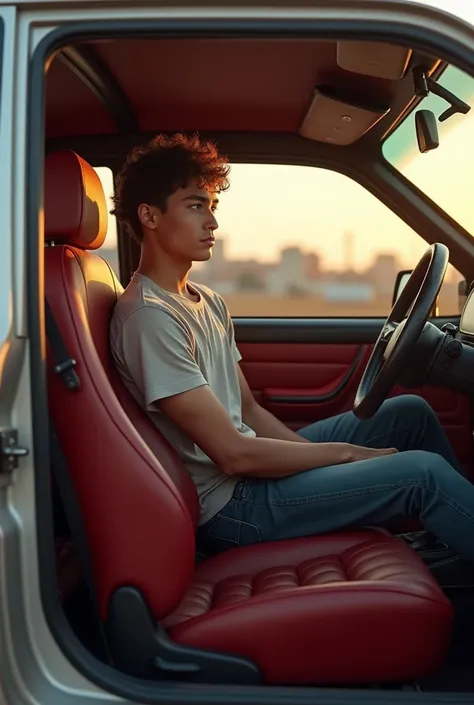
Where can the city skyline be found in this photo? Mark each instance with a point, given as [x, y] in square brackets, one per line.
[347, 264]
[297, 283]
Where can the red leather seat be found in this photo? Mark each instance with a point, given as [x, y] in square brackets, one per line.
[354, 607]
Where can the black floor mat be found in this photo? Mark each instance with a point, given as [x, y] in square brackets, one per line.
[457, 674]
[453, 678]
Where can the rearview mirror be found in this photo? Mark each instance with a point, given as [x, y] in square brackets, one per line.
[427, 134]
[400, 284]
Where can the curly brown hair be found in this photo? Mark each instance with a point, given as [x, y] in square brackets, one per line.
[154, 172]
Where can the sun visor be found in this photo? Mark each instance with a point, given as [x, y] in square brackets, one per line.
[374, 59]
[337, 118]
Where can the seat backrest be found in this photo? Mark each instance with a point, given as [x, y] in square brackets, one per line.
[139, 504]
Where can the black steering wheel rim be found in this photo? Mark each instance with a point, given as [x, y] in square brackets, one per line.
[401, 330]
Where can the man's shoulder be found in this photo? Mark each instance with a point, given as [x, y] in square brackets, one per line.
[139, 302]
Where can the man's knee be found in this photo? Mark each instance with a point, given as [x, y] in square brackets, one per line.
[410, 406]
[425, 478]
[424, 466]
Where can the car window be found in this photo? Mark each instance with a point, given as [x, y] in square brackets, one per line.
[109, 250]
[444, 174]
[302, 241]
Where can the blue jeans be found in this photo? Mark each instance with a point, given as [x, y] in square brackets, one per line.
[423, 479]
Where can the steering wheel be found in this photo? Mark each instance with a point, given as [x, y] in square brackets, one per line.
[401, 331]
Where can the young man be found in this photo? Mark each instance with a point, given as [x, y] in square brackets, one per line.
[173, 344]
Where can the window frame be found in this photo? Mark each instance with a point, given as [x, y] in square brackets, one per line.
[380, 179]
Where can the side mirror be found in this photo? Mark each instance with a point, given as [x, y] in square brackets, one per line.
[401, 282]
[463, 291]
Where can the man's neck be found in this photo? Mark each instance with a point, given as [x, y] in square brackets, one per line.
[169, 275]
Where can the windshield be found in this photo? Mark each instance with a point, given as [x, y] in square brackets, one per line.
[445, 174]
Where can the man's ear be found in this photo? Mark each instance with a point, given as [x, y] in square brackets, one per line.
[148, 216]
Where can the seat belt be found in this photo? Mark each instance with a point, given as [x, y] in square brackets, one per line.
[64, 366]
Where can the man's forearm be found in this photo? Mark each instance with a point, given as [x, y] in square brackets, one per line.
[273, 458]
[266, 425]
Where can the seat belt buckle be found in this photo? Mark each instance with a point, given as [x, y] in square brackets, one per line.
[68, 374]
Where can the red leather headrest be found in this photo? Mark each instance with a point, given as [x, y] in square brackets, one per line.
[74, 202]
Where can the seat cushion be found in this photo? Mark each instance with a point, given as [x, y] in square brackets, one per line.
[345, 608]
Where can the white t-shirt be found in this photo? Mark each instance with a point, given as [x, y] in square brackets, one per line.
[165, 344]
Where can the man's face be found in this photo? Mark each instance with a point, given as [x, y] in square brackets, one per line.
[185, 230]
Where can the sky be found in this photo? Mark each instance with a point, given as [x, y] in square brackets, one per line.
[461, 8]
[269, 207]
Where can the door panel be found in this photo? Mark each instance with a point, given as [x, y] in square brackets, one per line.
[304, 382]
[305, 370]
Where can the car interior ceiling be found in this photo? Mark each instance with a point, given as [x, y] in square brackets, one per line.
[268, 100]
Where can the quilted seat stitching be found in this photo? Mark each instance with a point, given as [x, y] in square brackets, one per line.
[351, 566]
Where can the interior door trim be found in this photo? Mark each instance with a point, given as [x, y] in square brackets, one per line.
[343, 331]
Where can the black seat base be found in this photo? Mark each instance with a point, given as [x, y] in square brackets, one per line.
[140, 647]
